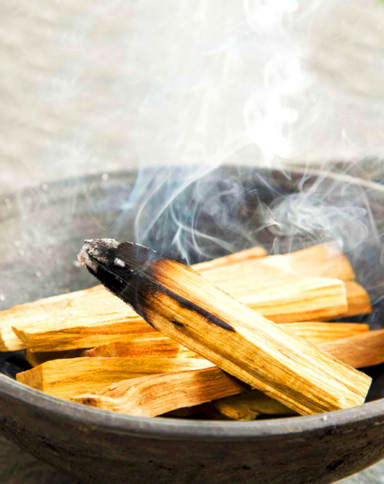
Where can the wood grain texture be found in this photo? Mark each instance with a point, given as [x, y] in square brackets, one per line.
[65, 378]
[249, 406]
[365, 349]
[179, 302]
[360, 351]
[66, 319]
[95, 323]
[358, 299]
[325, 332]
[156, 344]
[76, 309]
[158, 394]
[149, 345]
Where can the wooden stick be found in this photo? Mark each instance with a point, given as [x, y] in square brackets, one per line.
[358, 299]
[256, 252]
[300, 300]
[248, 406]
[318, 333]
[157, 345]
[363, 350]
[65, 378]
[36, 359]
[318, 261]
[307, 299]
[148, 345]
[72, 310]
[68, 319]
[158, 394]
[180, 303]
[366, 349]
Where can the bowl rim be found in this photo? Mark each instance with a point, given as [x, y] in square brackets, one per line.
[179, 429]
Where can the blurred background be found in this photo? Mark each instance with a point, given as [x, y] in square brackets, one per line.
[94, 87]
[89, 87]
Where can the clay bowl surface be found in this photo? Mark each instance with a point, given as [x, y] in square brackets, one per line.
[41, 232]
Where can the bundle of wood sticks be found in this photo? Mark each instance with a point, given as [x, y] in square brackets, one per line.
[239, 337]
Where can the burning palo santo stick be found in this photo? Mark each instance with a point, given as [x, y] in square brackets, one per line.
[69, 319]
[309, 298]
[65, 378]
[149, 396]
[180, 303]
[156, 344]
[70, 307]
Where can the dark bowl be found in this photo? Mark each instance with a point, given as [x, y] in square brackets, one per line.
[41, 232]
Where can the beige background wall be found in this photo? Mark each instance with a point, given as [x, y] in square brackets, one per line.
[98, 85]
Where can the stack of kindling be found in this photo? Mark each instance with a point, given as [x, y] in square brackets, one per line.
[238, 337]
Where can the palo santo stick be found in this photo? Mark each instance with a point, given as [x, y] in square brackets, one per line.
[156, 344]
[180, 303]
[300, 300]
[158, 394]
[303, 300]
[148, 345]
[36, 359]
[242, 256]
[360, 351]
[318, 261]
[249, 406]
[366, 349]
[318, 333]
[71, 317]
[81, 309]
[64, 378]
[95, 311]
[358, 299]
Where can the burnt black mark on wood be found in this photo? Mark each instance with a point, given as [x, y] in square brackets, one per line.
[139, 278]
[184, 303]
[177, 324]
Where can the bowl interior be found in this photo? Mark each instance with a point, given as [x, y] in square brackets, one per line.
[189, 218]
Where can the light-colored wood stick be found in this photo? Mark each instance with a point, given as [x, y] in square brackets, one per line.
[312, 298]
[358, 299]
[324, 260]
[36, 359]
[148, 345]
[318, 333]
[307, 299]
[157, 345]
[158, 394]
[366, 349]
[183, 305]
[300, 300]
[65, 378]
[256, 252]
[76, 309]
[248, 406]
[96, 312]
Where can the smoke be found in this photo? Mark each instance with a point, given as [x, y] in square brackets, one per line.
[242, 85]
